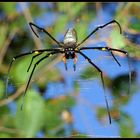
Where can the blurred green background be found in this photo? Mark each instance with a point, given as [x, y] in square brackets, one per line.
[55, 95]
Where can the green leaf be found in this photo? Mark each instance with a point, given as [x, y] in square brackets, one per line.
[89, 73]
[135, 26]
[126, 126]
[77, 8]
[60, 24]
[102, 114]
[3, 33]
[117, 40]
[66, 8]
[2, 88]
[81, 29]
[10, 8]
[50, 76]
[19, 70]
[31, 118]
[54, 108]
[4, 135]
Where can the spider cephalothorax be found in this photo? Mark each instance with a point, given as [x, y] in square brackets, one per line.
[69, 48]
[69, 54]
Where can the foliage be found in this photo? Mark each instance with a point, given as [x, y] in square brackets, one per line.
[45, 115]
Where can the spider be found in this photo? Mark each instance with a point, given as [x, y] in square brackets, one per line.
[69, 48]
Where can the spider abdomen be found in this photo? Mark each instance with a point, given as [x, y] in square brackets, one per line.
[70, 38]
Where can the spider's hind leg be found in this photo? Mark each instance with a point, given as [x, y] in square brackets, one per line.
[101, 73]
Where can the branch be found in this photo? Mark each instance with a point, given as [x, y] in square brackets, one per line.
[28, 17]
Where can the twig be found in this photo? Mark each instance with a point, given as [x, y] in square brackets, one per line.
[28, 18]
[9, 130]
[5, 47]
[12, 97]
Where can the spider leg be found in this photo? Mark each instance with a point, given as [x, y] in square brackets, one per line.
[9, 69]
[40, 60]
[64, 60]
[129, 67]
[37, 54]
[32, 60]
[89, 60]
[24, 54]
[117, 50]
[96, 29]
[102, 49]
[75, 61]
[43, 30]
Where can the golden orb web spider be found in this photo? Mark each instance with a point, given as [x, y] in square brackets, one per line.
[69, 48]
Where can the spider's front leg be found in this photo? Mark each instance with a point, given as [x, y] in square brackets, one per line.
[43, 30]
[75, 61]
[64, 60]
